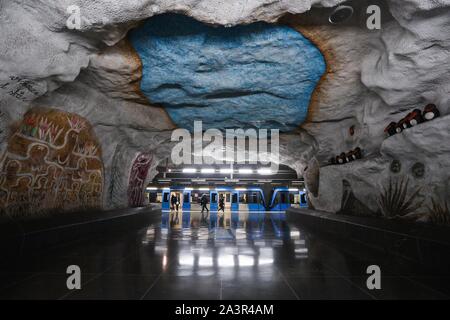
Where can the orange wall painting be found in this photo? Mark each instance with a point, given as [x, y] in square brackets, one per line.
[52, 161]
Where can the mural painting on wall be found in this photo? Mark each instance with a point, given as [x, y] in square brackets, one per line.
[138, 175]
[3, 124]
[52, 160]
[351, 205]
[399, 200]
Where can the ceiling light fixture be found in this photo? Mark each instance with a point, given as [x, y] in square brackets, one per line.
[264, 171]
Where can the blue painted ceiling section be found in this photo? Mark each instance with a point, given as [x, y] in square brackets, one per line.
[259, 75]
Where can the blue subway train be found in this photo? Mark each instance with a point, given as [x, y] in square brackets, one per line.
[235, 199]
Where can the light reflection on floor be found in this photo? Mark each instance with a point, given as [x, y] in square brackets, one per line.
[224, 243]
[231, 255]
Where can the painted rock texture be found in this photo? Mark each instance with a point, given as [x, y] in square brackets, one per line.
[373, 77]
[53, 161]
[258, 75]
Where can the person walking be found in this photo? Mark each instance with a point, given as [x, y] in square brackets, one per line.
[177, 204]
[173, 201]
[221, 203]
[204, 202]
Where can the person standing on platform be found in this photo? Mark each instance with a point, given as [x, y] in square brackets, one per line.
[204, 202]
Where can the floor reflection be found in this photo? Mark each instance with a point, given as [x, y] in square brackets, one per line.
[230, 255]
[206, 243]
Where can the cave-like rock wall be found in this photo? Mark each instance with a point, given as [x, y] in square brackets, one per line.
[53, 160]
[372, 77]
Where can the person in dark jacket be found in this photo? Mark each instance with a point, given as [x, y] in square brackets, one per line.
[204, 202]
[173, 201]
[221, 203]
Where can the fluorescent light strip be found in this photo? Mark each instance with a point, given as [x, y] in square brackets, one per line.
[264, 171]
[189, 170]
[152, 188]
[226, 170]
[293, 189]
[245, 171]
[207, 170]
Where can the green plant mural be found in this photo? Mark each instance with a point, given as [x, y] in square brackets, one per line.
[394, 201]
[439, 213]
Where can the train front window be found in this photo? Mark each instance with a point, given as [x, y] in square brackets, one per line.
[283, 197]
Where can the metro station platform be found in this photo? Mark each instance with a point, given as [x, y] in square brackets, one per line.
[230, 255]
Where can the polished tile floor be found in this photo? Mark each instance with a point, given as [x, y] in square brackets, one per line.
[232, 255]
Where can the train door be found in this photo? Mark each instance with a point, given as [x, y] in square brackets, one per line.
[213, 198]
[179, 196]
[165, 199]
[227, 199]
[234, 201]
[186, 200]
[303, 199]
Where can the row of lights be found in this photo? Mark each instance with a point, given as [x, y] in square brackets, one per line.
[207, 189]
[262, 171]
